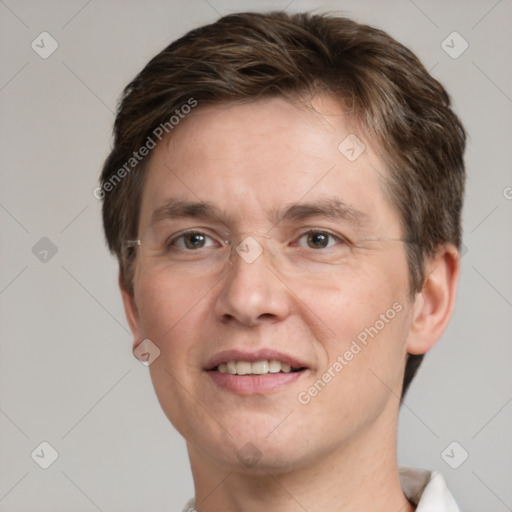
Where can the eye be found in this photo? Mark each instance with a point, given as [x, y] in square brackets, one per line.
[191, 240]
[315, 239]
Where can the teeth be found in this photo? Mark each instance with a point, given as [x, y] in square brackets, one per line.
[286, 368]
[260, 367]
[274, 366]
[243, 367]
[257, 368]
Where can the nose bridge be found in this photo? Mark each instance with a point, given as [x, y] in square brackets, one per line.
[251, 248]
[251, 291]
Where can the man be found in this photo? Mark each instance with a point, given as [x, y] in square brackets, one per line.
[284, 196]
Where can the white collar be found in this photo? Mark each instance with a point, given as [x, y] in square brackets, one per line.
[426, 489]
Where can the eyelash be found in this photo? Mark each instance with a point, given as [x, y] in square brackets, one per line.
[171, 243]
[340, 239]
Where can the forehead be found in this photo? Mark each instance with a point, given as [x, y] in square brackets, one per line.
[255, 159]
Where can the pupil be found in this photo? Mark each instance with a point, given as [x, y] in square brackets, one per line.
[318, 239]
[194, 240]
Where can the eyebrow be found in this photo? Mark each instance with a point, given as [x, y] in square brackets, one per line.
[328, 208]
[178, 209]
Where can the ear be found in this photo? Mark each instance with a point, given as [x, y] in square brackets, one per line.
[433, 306]
[132, 313]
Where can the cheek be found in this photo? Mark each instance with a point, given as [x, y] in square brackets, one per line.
[168, 304]
[364, 317]
[353, 300]
[172, 312]
[362, 370]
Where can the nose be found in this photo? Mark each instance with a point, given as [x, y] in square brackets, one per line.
[252, 291]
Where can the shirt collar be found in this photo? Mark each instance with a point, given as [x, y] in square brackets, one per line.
[426, 489]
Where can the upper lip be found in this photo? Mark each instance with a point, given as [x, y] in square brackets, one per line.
[252, 357]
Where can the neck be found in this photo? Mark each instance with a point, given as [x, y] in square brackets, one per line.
[358, 476]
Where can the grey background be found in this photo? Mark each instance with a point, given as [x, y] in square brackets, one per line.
[67, 374]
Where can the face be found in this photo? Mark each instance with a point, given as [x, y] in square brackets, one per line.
[272, 279]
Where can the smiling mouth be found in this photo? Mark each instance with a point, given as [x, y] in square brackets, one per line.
[263, 367]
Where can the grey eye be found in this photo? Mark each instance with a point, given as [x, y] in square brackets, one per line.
[318, 240]
[193, 240]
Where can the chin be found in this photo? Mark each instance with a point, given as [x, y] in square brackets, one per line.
[256, 456]
[253, 445]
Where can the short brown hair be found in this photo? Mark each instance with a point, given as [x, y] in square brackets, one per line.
[247, 56]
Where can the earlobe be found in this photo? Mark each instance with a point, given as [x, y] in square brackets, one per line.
[131, 312]
[433, 306]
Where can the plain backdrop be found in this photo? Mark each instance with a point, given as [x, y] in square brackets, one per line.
[67, 374]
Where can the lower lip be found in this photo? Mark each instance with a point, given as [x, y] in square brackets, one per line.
[254, 384]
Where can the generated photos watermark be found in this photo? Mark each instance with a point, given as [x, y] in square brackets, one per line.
[156, 136]
[342, 360]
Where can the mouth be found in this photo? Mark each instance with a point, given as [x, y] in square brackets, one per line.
[263, 367]
[255, 373]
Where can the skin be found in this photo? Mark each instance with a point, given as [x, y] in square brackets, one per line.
[337, 452]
